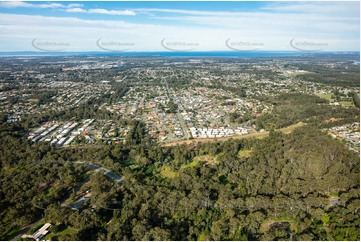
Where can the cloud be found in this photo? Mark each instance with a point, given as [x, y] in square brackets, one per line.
[339, 8]
[276, 18]
[111, 12]
[186, 12]
[101, 11]
[70, 8]
[49, 5]
[74, 5]
[331, 8]
[16, 4]
[75, 10]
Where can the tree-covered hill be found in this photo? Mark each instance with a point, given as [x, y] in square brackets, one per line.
[298, 186]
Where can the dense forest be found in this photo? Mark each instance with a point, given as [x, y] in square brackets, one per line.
[298, 186]
[343, 75]
[291, 108]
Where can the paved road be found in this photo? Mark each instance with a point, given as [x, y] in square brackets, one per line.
[180, 118]
[105, 171]
[183, 124]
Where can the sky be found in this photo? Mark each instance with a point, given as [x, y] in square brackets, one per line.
[179, 26]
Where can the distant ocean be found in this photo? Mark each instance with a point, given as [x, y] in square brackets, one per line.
[234, 54]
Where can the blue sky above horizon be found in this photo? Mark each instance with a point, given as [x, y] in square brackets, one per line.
[179, 26]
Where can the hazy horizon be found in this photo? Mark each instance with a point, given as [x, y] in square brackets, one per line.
[179, 26]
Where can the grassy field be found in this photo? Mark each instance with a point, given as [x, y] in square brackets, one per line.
[244, 153]
[33, 100]
[347, 103]
[266, 225]
[167, 172]
[301, 73]
[191, 164]
[292, 127]
[209, 159]
[326, 96]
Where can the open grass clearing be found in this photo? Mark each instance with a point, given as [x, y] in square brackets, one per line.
[33, 100]
[269, 223]
[300, 73]
[168, 172]
[291, 128]
[209, 159]
[191, 164]
[347, 103]
[327, 96]
[244, 153]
